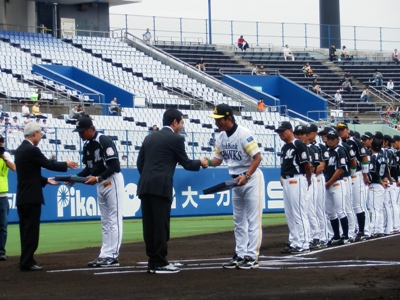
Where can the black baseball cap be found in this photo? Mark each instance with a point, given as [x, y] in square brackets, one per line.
[324, 131]
[301, 128]
[396, 138]
[222, 110]
[83, 124]
[367, 135]
[312, 128]
[357, 134]
[378, 135]
[285, 125]
[332, 133]
[387, 137]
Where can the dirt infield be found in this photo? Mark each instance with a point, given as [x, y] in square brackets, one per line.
[365, 270]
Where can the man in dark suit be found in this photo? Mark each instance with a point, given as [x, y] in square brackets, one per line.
[29, 160]
[158, 156]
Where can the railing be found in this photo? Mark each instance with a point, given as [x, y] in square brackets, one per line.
[199, 144]
[226, 32]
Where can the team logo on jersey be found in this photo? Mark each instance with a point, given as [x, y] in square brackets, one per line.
[343, 161]
[250, 139]
[304, 155]
[332, 161]
[363, 151]
[289, 154]
[326, 154]
[110, 151]
[352, 152]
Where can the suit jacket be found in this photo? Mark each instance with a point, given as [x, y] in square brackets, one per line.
[158, 156]
[29, 161]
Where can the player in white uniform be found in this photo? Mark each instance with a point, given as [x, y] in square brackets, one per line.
[102, 167]
[237, 146]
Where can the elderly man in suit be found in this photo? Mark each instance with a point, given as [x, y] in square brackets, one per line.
[158, 156]
[29, 161]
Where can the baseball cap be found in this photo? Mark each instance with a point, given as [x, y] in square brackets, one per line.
[378, 135]
[356, 134]
[341, 126]
[324, 131]
[312, 128]
[15, 117]
[285, 125]
[83, 124]
[387, 137]
[301, 128]
[396, 138]
[222, 110]
[367, 135]
[332, 133]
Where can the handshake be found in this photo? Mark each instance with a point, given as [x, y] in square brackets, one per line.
[204, 162]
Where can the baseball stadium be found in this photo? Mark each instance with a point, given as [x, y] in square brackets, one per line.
[294, 137]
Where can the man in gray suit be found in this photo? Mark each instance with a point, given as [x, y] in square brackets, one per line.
[158, 156]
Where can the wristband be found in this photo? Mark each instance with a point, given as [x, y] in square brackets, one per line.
[97, 179]
[365, 168]
[353, 171]
[209, 162]
[248, 176]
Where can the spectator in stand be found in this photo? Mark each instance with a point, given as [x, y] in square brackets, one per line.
[255, 71]
[348, 76]
[390, 111]
[201, 65]
[2, 125]
[262, 71]
[287, 52]
[15, 126]
[365, 95]
[346, 118]
[36, 111]
[395, 56]
[2, 113]
[343, 55]
[147, 36]
[339, 100]
[81, 110]
[316, 86]
[155, 128]
[346, 85]
[333, 119]
[307, 72]
[75, 113]
[27, 120]
[7, 126]
[261, 105]
[242, 44]
[377, 77]
[390, 86]
[356, 119]
[332, 51]
[123, 163]
[25, 109]
[114, 108]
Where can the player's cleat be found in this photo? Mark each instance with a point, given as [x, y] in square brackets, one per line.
[380, 235]
[298, 250]
[3, 257]
[360, 237]
[323, 245]
[335, 242]
[287, 250]
[93, 263]
[107, 262]
[233, 262]
[248, 263]
[315, 245]
[168, 269]
[345, 241]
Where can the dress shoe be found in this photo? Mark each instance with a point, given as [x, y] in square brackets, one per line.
[33, 268]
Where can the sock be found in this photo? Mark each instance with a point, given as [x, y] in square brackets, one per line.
[335, 228]
[361, 222]
[345, 227]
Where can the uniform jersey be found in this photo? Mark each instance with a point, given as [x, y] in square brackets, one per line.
[350, 155]
[236, 150]
[315, 155]
[97, 155]
[377, 168]
[359, 150]
[293, 155]
[337, 159]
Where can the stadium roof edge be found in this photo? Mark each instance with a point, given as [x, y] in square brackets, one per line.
[111, 2]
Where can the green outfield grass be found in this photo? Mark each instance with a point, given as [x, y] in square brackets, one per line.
[55, 237]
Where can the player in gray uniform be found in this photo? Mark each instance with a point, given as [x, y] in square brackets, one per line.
[295, 179]
[102, 168]
[237, 146]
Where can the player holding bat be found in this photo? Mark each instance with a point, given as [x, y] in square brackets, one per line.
[237, 146]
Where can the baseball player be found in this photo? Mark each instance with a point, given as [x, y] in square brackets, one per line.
[336, 189]
[237, 146]
[359, 177]
[301, 133]
[102, 168]
[378, 175]
[296, 173]
[396, 146]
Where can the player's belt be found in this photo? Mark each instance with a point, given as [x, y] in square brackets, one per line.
[292, 176]
[234, 176]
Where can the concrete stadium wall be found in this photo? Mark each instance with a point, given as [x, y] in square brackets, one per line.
[64, 203]
[294, 96]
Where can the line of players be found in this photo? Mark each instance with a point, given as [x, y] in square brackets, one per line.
[341, 190]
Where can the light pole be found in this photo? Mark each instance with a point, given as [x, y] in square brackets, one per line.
[209, 23]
